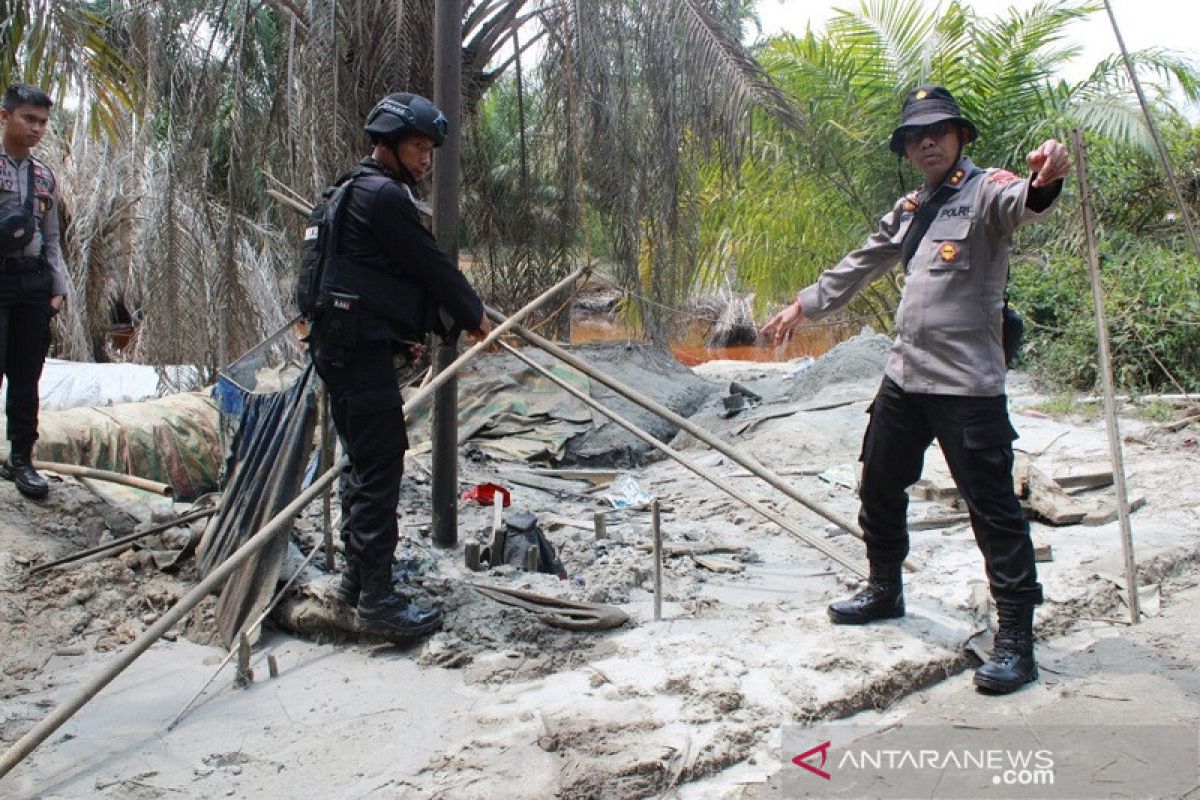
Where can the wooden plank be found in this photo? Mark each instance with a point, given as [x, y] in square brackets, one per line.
[1107, 514]
[1042, 552]
[1049, 502]
[1093, 475]
[718, 564]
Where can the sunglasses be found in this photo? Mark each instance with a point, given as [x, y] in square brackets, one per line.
[937, 130]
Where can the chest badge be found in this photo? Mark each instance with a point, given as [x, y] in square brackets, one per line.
[948, 252]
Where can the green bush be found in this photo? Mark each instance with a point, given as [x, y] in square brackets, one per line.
[1152, 303]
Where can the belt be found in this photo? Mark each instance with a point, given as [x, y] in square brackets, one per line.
[16, 265]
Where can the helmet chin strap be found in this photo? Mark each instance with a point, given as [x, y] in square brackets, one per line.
[400, 169]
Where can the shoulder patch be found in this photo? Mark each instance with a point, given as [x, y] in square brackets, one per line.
[1002, 177]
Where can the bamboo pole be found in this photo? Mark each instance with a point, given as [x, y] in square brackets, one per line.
[191, 516]
[1106, 372]
[825, 547]
[78, 471]
[1158, 141]
[642, 400]
[656, 526]
[90, 688]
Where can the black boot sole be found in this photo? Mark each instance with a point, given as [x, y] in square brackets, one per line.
[988, 685]
[393, 632]
[838, 618]
[32, 492]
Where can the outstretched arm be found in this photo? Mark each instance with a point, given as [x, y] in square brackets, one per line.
[780, 327]
[1050, 164]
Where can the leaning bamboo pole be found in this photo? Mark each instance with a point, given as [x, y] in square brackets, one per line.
[813, 541]
[1106, 373]
[1184, 211]
[281, 521]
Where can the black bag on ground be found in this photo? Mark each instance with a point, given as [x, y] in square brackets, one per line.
[523, 535]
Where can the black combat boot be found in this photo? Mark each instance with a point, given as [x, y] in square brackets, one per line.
[19, 469]
[1012, 665]
[350, 586]
[882, 599]
[381, 610]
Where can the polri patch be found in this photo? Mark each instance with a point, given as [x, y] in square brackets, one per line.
[948, 252]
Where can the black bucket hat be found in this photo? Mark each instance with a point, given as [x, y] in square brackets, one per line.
[926, 105]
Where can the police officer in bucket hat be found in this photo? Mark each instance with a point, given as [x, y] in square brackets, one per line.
[944, 377]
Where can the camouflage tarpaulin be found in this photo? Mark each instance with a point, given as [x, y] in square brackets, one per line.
[512, 412]
[173, 440]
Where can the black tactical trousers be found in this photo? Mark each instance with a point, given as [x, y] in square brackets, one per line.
[367, 411]
[24, 339]
[976, 438]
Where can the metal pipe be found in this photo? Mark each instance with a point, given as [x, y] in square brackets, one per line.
[443, 435]
[1106, 373]
[826, 548]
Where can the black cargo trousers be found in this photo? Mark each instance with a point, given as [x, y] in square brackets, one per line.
[25, 312]
[367, 410]
[976, 438]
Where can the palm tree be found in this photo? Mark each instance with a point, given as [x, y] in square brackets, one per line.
[802, 201]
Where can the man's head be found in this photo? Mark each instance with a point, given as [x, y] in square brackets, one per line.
[25, 113]
[932, 131]
[406, 127]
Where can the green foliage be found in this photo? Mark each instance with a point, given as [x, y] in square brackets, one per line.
[1152, 303]
[803, 200]
[69, 47]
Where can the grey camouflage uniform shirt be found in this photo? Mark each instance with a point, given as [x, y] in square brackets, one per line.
[949, 320]
[14, 184]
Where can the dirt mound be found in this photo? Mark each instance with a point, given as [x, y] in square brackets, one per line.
[861, 358]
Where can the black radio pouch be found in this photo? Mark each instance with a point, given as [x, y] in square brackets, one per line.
[339, 326]
[19, 224]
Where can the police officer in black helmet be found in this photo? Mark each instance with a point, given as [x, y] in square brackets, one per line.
[944, 379]
[384, 285]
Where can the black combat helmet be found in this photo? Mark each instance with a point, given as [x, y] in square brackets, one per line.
[402, 112]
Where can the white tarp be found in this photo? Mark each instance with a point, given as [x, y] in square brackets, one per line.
[70, 384]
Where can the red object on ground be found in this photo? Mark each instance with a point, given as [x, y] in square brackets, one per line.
[485, 494]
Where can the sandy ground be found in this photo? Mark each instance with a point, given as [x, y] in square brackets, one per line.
[499, 705]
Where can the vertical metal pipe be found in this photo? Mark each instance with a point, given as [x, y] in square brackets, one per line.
[1106, 372]
[447, 94]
